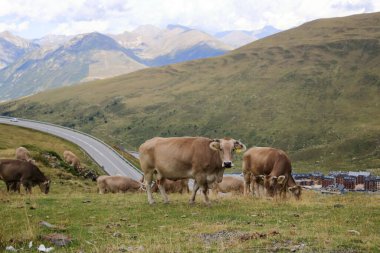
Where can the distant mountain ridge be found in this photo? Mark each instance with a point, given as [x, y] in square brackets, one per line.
[28, 67]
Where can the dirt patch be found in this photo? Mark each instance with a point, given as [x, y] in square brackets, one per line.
[226, 235]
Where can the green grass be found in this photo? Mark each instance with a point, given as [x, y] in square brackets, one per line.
[178, 227]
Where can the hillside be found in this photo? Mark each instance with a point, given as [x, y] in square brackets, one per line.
[313, 90]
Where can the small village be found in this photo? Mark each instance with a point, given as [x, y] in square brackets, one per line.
[338, 182]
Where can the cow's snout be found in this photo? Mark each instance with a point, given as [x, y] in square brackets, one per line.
[227, 164]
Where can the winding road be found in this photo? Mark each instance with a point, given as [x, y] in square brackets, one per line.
[112, 162]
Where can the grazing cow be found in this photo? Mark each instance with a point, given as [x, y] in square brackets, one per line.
[178, 186]
[229, 184]
[274, 185]
[115, 184]
[275, 165]
[23, 154]
[16, 172]
[200, 158]
[73, 160]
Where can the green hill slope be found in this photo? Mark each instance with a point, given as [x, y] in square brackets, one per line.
[313, 90]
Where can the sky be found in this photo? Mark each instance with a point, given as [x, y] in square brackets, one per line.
[37, 18]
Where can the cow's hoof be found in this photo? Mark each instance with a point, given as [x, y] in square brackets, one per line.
[167, 202]
[191, 202]
[152, 202]
[208, 204]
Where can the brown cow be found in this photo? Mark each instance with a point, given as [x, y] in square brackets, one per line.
[272, 163]
[115, 184]
[16, 172]
[200, 158]
[73, 160]
[178, 186]
[229, 184]
[23, 154]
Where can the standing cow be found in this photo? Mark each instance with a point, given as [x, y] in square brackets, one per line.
[276, 168]
[115, 184]
[22, 172]
[200, 158]
[23, 154]
[73, 160]
[229, 184]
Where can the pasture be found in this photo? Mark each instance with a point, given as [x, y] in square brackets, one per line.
[127, 223]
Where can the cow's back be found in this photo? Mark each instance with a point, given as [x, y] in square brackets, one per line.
[13, 170]
[265, 161]
[175, 157]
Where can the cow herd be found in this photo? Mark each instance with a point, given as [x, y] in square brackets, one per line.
[267, 171]
[168, 164]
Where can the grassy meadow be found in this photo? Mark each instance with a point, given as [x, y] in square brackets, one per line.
[126, 222]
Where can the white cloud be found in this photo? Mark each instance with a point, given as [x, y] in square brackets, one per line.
[78, 27]
[18, 27]
[71, 16]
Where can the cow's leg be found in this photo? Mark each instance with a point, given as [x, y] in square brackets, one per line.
[148, 177]
[195, 189]
[205, 194]
[247, 183]
[258, 189]
[18, 186]
[161, 187]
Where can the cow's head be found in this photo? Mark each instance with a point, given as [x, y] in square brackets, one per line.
[270, 184]
[226, 148]
[45, 186]
[296, 191]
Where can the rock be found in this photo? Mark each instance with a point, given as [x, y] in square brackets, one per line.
[117, 234]
[42, 248]
[11, 249]
[58, 239]
[353, 232]
[46, 224]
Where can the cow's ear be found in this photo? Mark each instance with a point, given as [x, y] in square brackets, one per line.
[281, 179]
[240, 147]
[215, 145]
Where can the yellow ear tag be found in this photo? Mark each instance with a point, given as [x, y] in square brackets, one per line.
[238, 150]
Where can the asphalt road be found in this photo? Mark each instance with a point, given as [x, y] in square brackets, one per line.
[103, 155]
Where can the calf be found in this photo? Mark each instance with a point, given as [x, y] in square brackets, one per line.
[16, 172]
[171, 186]
[115, 184]
[229, 184]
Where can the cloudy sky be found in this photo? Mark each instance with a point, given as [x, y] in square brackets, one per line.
[36, 18]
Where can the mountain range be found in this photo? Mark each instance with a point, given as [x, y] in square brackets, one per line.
[312, 91]
[28, 67]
